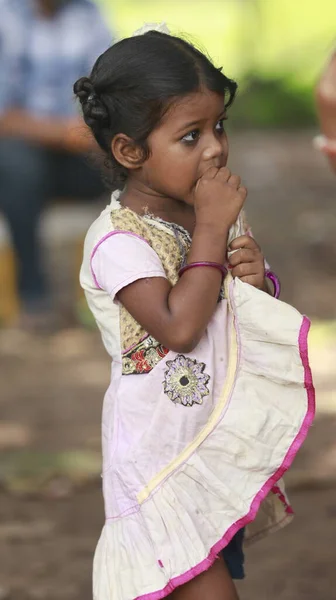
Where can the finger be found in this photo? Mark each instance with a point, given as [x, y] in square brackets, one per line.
[234, 181]
[254, 280]
[246, 269]
[243, 255]
[210, 173]
[244, 241]
[242, 190]
[224, 174]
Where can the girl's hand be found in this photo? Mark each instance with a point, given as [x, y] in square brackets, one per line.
[219, 198]
[247, 262]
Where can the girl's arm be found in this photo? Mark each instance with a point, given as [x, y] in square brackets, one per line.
[178, 316]
[69, 134]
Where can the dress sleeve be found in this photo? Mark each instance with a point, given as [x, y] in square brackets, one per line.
[120, 258]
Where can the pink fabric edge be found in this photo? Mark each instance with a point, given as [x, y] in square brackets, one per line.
[108, 235]
[205, 564]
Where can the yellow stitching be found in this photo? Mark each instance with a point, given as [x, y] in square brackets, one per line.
[231, 372]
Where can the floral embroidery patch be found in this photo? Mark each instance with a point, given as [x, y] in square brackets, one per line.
[185, 381]
[143, 357]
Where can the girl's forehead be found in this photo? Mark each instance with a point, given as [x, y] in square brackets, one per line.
[197, 106]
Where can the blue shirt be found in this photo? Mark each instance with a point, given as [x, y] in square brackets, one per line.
[41, 58]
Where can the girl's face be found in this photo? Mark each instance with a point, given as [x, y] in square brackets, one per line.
[189, 140]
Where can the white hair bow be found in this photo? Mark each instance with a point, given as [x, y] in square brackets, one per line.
[162, 27]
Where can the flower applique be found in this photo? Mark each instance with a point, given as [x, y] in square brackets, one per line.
[185, 381]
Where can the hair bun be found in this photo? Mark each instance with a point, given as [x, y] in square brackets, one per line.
[83, 88]
[93, 108]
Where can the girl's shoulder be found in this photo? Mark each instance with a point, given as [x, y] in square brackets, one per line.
[169, 241]
[121, 247]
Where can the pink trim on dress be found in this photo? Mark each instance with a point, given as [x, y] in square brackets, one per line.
[108, 235]
[277, 491]
[205, 564]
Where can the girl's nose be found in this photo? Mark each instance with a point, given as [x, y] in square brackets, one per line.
[215, 148]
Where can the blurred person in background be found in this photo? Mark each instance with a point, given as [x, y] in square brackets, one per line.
[44, 46]
[326, 108]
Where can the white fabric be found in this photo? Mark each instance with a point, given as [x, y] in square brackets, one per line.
[179, 481]
[122, 259]
[214, 488]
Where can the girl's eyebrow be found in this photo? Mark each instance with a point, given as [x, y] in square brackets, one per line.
[197, 122]
[191, 124]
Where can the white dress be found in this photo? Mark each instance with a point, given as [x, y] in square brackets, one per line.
[194, 445]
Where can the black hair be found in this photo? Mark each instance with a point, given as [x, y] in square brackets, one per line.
[134, 82]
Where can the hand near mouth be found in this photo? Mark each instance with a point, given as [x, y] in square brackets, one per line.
[218, 198]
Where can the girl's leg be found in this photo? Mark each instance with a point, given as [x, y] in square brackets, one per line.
[214, 584]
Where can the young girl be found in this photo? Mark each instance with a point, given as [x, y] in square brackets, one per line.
[211, 394]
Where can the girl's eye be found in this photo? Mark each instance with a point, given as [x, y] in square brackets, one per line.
[191, 137]
[220, 125]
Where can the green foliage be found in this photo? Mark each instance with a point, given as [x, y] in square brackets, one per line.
[273, 103]
[274, 48]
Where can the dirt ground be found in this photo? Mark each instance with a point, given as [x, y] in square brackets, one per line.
[51, 392]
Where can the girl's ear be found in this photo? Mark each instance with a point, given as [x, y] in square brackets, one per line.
[127, 152]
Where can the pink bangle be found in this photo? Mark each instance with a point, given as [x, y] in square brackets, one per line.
[214, 265]
[276, 283]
